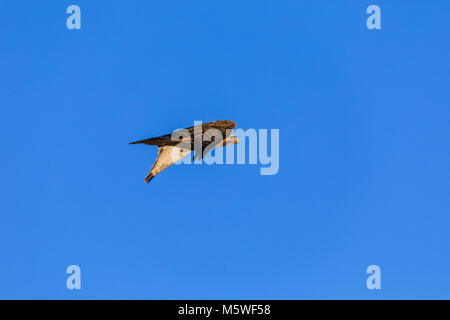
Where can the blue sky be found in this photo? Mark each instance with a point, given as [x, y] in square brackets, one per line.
[364, 149]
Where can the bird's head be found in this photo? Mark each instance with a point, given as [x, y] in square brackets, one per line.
[231, 139]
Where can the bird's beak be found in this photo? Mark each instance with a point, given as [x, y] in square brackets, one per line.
[237, 140]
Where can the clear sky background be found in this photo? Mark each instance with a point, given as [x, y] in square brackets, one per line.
[364, 149]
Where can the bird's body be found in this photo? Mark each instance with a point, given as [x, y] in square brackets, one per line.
[177, 145]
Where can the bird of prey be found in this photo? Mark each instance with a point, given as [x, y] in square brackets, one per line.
[201, 139]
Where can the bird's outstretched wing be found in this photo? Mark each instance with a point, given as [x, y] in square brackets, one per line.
[167, 156]
[195, 133]
[158, 141]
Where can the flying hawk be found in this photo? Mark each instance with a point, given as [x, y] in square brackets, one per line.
[180, 143]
